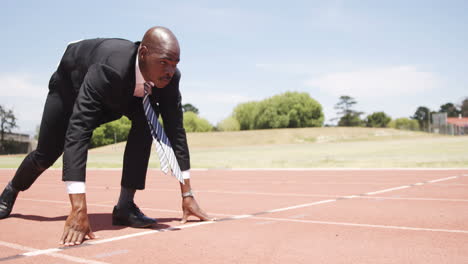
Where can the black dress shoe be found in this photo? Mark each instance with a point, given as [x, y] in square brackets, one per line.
[131, 216]
[7, 200]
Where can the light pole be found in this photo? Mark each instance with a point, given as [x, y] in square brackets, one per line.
[428, 120]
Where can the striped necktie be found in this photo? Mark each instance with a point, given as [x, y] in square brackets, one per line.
[164, 149]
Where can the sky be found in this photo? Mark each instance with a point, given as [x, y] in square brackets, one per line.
[391, 56]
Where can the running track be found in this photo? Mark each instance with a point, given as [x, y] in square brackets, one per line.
[266, 216]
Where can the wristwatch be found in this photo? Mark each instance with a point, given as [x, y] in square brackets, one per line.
[187, 194]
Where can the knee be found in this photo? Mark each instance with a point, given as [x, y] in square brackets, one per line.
[43, 161]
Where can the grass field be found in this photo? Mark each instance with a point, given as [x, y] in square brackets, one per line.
[302, 148]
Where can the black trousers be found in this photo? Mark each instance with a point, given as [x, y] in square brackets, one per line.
[57, 111]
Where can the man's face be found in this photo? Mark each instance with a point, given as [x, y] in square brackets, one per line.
[159, 66]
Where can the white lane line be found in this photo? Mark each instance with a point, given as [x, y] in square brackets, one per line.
[362, 225]
[444, 179]
[414, 199]
[300, 206]
[50, 253]
[113, 253]
[75, 259]
[389, 190]
[415, 184]
[351, 196]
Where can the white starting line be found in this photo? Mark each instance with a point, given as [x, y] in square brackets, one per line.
[50, 253]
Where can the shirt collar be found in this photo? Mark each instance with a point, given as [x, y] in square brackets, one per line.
[138, 76]
[139, 90]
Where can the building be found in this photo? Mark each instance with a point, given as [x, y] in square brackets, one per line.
[15, 143]
[441, 124]
[460, 125]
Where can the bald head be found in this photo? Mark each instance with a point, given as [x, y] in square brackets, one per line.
[160, 39]
[158, 56]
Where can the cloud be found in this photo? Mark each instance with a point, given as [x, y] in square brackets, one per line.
[392, 81]
[21, 84]
[25, 95]
[285, 68]
[208, 92]
[214, 104]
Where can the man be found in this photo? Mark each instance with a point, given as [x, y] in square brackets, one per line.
[98, 81]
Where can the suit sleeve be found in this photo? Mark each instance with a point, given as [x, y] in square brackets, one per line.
[86, 116]
[170, 105]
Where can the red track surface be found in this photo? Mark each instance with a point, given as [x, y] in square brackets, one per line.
[266, 217]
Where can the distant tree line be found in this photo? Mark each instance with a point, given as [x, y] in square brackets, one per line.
[420, 120]
[286, 110]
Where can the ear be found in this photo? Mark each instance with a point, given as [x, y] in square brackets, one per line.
[142, 53]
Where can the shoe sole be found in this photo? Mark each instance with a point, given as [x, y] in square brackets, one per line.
[119, 223]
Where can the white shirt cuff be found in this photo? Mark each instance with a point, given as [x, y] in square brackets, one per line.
[186, 174]
[74, 187]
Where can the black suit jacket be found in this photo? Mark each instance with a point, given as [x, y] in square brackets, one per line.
[97, 76]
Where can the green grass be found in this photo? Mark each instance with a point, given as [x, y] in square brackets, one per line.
[302, 148]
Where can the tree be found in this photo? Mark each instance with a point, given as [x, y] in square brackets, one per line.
[194, 123]
[404, 123]
[450, 109]
[112, 132]
[189, 108]
[228, 124]
[378, 119]
[464, 107]
[246, 113]
[7, 122]
[422, 115]
[287, 110]
[346, 115]
[351, 120]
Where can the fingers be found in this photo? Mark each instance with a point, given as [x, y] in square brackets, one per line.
[198, 212]
[206, 217]
[195, 210]
[202, 215]
[64, 235]
[69, 237]
[185, 217]
[72, 237]
[80, 238]
[76, 229]
[91, 235]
